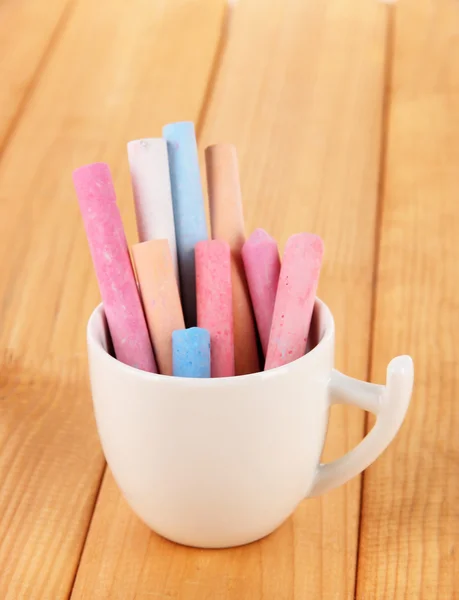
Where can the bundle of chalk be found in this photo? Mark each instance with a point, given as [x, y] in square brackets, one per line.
[194, 307]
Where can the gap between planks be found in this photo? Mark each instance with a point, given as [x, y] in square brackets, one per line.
[48, 429]
[8, 126]
[199, 123]
[385, 119]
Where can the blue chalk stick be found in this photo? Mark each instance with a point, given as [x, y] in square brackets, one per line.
[188, 202]
[191, 352]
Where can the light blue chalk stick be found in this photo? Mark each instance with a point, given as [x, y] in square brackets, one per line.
[188, 202]
[191, 352]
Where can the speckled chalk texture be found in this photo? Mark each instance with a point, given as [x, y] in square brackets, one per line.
[115, 276]
[226, 216]
[160, 297]
[191, 352]
[296, 293]
[262, 267]
[214, 303]
[188, 202]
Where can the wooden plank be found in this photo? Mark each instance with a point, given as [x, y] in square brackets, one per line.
[299, 91]
[116, 74]
[28, 31]
[410, 518]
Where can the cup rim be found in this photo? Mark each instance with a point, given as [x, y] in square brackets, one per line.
[95, 341]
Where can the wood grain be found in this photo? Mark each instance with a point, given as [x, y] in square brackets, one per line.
[105, 83]
[410, 519]
[28, 31]
[299, 91]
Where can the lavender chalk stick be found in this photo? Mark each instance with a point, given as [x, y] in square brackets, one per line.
[108, 246]
[188, 203]
[191, 352]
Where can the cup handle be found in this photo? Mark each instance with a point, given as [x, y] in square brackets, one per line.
[389, 403]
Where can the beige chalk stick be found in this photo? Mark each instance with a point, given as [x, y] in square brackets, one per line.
[160, 296]
[227, 222]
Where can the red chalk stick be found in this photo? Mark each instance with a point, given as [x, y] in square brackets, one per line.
[295, 298]
[262, 267]
[110, 255]
[214, 303]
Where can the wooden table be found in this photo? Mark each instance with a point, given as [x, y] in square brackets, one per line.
[346, 118]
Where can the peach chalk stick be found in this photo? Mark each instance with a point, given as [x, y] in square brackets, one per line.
[296, 293]
[214, 303]
[262, 266]
[227, 223]
[149, 166]
[160, 297]
[110, 255]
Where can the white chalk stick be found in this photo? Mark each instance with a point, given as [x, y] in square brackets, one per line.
[149, 165]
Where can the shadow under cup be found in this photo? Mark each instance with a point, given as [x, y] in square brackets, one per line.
[213, 462]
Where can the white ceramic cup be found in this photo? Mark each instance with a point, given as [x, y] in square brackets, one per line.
[215, 463]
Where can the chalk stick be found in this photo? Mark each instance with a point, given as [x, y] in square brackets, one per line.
[151, 185]
[160, 297]
[214, 303]
[296, 293]
[110, 255]
[188, 202]
[191, 352]
[227, 223]
[262, 266]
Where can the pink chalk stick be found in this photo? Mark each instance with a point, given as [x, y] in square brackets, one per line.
[296, 293]
[215, 303]
[110, 255]
[262, 267]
